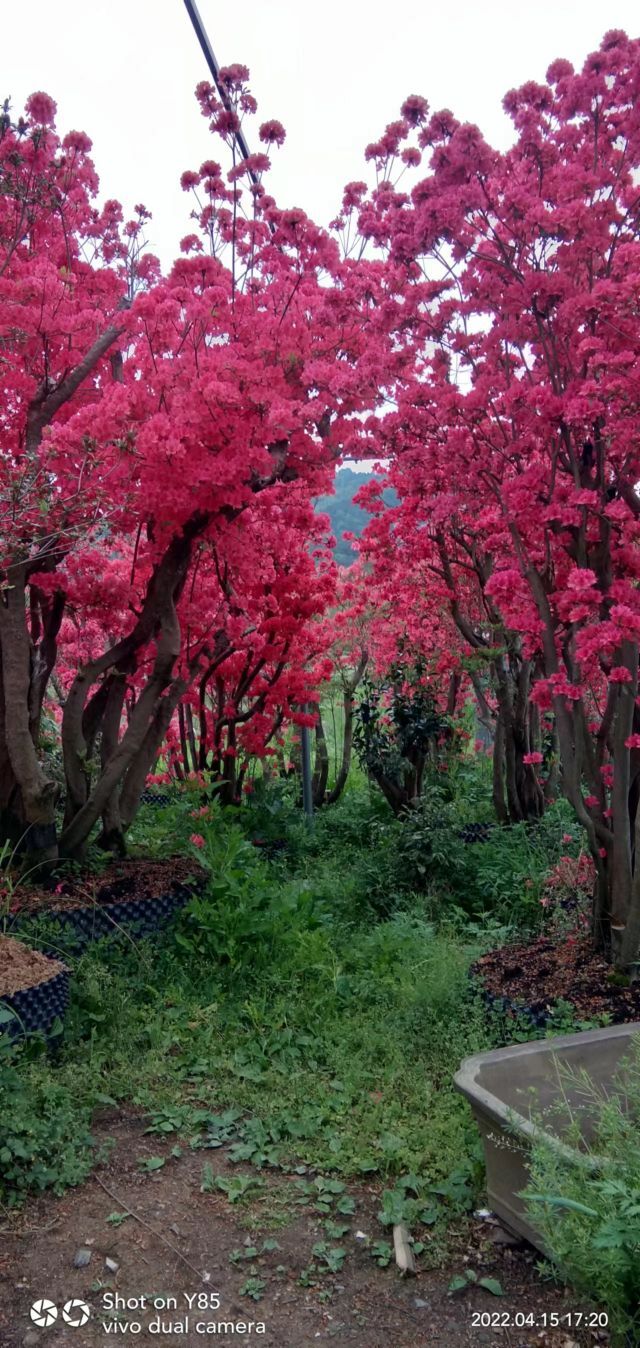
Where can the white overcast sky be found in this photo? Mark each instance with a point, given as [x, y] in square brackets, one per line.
[334, 73]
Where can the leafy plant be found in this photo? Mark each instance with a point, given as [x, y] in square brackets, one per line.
[469, 1278]
[235, 1189]
[45, 1141]
[253, 1287]
[382, 1252]
[329, 1258]
[398, 728]
[589, 1215]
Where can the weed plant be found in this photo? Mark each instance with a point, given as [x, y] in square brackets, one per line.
[589, 1216]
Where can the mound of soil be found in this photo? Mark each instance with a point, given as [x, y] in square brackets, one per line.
[130, 879]
[536, 976]
[22, 968]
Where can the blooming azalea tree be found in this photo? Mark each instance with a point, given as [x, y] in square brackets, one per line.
[67, 272]
[266, 597]
[145, 420]
[520, 423]
[433, 571]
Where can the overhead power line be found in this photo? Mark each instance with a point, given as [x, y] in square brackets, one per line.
[214, 67]
[212, 62]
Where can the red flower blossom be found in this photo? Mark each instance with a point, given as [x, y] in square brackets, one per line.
[272, 133]
[620, 674]
[42, 109]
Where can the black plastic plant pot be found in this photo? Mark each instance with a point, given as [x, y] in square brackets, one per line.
[159, 798]
[37, 1008]
[476, 833]
[537, 1016]
[136, 917]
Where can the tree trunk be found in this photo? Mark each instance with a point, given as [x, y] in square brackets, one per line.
[350, 687]
[112, 836]
[35, 794]
[347, 747]
[141, 764]
[499, 803]
[228, 789]
[182, 728]
[321, 767]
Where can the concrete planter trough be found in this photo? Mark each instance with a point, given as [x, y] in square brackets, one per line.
[507, 1086]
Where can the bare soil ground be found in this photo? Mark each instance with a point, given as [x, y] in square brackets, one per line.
[180, 1233]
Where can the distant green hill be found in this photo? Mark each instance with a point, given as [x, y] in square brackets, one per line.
[344, 515]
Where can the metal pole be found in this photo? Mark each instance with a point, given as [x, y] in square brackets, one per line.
[305, 746]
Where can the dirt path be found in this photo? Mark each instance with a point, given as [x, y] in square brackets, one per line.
[302, 1302]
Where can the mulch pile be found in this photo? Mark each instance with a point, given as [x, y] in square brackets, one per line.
[130, 879]
[21, 967]
[536, 976]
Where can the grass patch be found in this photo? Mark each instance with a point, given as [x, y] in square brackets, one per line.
[332, 1038]
[306, 1012]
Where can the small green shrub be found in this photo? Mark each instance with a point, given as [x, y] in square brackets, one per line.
[590, 1217]
[502, 877]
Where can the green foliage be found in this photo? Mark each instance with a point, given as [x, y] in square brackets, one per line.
[271, 815]
[502, 877]
[277, 1019]
[44, 1139]
[244, 919]
[393, 726]
[306, 1013]
[234, 1188]
[415, 1198]
[589, 1214]
[329, 1258]
[382, 1252]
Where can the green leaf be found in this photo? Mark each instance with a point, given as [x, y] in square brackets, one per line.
[569, 1203]
[346, 1206]
[491, 1285]
[457, 1284]
[253, 1287]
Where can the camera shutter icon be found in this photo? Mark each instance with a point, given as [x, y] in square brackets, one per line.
[76, 1313]
[44, 1313]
